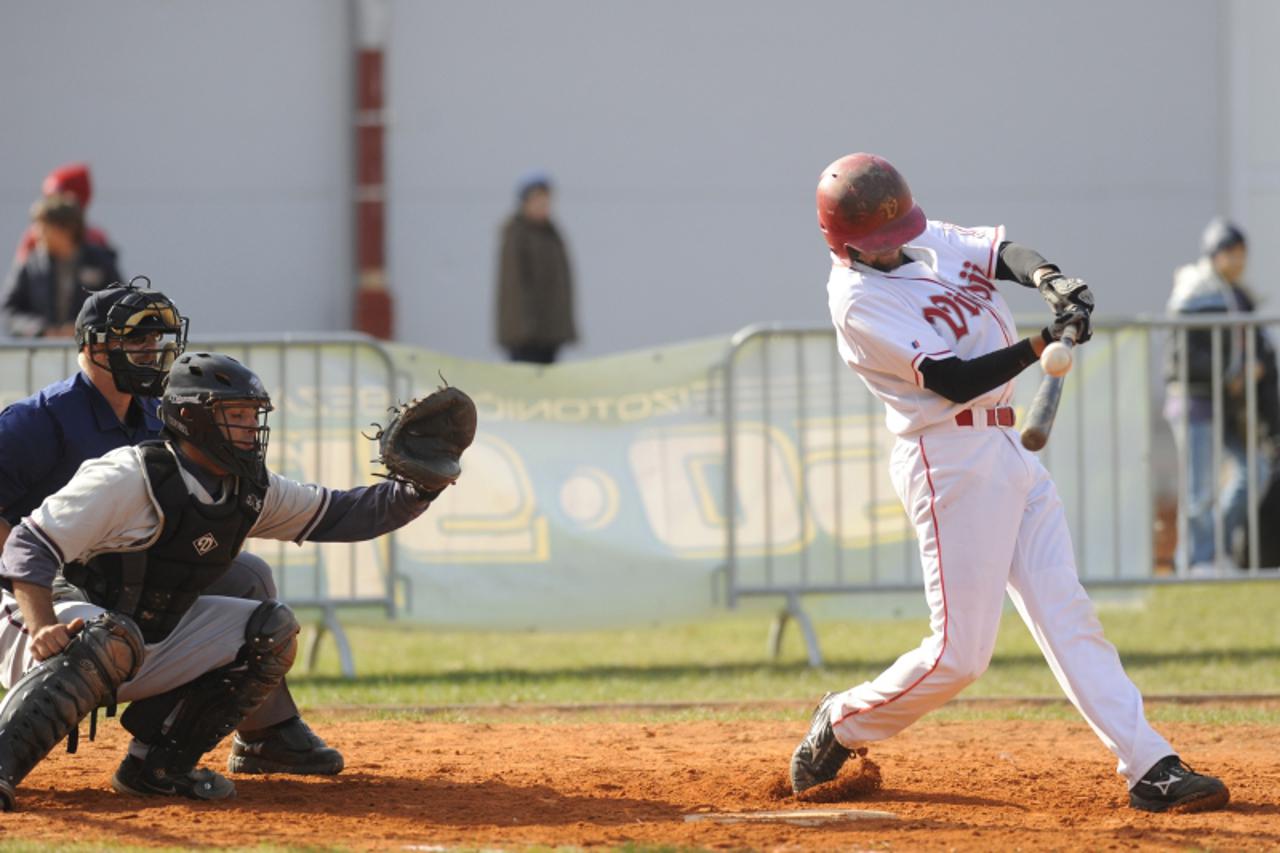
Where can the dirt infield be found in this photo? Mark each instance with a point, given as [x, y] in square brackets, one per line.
[418, 785]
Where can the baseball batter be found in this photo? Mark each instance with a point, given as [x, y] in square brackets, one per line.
[139, 535]
[919, 319]
[128, 337]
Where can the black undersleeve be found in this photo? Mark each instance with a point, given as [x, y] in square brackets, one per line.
[960, 381]
[1017, 263]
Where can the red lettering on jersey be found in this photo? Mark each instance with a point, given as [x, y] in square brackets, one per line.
[958, 327]
[979, 287]
[962, 301]
[951, 310]
[978, 283]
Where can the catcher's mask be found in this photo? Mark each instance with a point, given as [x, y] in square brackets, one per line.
[220, 406]
[133, 332]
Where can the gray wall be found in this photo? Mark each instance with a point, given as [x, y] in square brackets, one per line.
[218, 135]
[686, 139]
[1253, 152]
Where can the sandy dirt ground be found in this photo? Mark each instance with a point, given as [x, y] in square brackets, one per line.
[430, 785]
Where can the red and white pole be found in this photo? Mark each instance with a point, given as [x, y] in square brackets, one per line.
[374, 311]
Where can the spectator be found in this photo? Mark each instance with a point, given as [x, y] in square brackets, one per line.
[535, 287]
[44, 293]
[1214, 284]
[74, 180]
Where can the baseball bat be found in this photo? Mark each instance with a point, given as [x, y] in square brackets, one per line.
[1044, 406]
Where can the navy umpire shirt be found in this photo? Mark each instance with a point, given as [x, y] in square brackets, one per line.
[45, 437]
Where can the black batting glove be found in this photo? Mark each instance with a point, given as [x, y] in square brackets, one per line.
[1061, 292]
[1074, 315]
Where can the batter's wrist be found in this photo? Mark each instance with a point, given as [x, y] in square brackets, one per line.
[1038, 277]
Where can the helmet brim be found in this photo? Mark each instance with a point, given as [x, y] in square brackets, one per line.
[896, 234]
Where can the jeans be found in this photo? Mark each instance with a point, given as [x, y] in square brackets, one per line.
[1196, 448]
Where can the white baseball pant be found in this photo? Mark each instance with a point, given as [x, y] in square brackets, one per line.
[988, 518]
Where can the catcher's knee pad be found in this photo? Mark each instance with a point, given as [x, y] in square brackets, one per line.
[271, 640]
[185, 723]
[50, 701]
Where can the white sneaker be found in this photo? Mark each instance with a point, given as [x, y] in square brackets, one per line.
[1203, 570]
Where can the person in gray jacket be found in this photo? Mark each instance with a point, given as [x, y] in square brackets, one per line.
[1214, 284]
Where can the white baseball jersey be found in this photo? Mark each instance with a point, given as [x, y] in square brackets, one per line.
[986, 513]
[108, 506]
[943, 303]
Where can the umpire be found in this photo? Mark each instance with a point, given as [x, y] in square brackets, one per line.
[128, 337]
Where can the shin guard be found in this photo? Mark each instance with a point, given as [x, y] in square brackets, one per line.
[49, 702]
[182, 725]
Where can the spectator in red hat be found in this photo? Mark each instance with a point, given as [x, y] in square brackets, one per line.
[44, 293]
[72, 179]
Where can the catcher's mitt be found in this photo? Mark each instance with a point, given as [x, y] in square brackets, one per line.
[424, 441]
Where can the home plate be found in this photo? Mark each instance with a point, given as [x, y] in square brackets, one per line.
[799, 817]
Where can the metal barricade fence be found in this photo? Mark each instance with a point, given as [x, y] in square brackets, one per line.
[810, 510]
[326, 389]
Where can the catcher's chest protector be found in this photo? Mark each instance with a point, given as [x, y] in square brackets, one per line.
[157, 586]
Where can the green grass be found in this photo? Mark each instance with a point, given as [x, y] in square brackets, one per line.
[1193, 639]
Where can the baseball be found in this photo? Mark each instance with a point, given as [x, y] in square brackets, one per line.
[1056, 359]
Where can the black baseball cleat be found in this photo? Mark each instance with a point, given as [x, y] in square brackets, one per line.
[288, 747]
[1172, 786]
[819, 756]
[133, 776]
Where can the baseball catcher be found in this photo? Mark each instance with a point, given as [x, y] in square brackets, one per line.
[140, 535]
[128, 337]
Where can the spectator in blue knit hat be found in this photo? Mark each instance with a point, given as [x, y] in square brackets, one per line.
[535, 284]
[1214, 284]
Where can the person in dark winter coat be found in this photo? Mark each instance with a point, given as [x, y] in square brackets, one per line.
[535, 283]
[1214, 285]
[44, 293]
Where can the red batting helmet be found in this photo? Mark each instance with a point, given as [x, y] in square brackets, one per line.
[863, 202]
